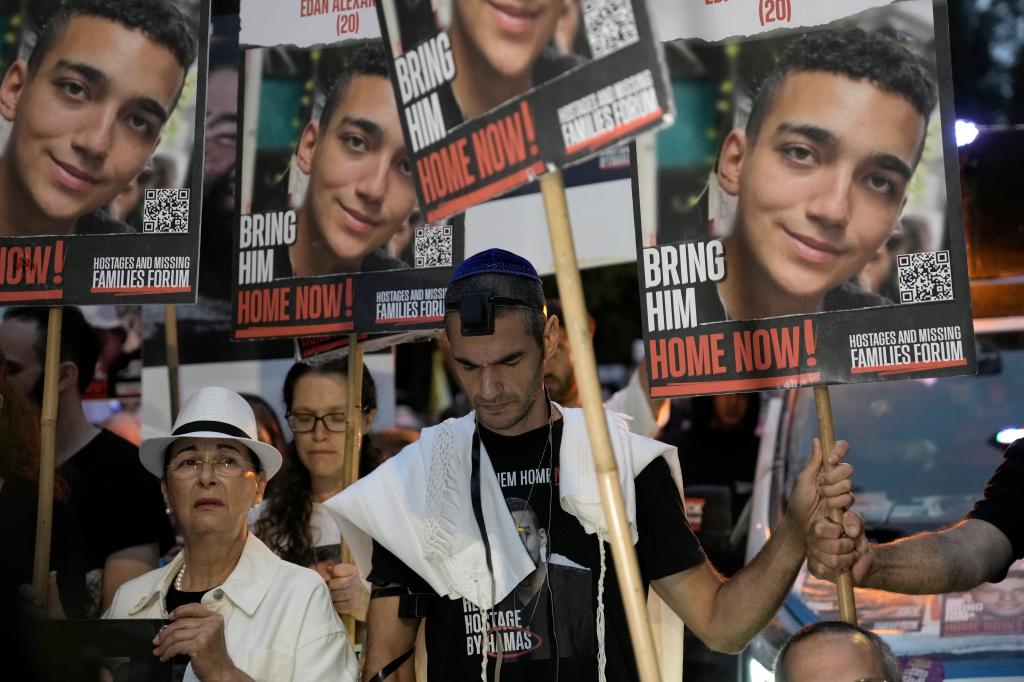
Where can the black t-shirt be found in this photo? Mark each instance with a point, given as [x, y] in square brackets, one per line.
[999, 505]
[18, 506]
[551, 614]
[116, 502]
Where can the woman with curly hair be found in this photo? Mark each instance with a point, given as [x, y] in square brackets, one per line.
[293, 521]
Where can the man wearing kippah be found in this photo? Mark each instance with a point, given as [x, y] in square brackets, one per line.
[433, 532]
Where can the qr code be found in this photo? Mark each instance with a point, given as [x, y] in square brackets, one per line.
[165, 211]
[433, 246]
[610, 25]
[924, 277]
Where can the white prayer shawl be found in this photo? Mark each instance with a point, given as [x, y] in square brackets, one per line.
[417, 506]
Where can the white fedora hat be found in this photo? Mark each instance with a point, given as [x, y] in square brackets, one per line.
[212, 412]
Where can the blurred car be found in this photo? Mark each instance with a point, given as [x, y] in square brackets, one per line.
[922, 451]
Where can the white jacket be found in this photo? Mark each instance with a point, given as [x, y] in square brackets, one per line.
[279, 623]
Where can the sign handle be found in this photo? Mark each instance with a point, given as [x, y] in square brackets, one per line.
[48, 443]
[173, 365]
[353, 443]
[570, 291]
[827, 431]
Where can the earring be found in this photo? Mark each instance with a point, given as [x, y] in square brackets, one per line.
[167, 509]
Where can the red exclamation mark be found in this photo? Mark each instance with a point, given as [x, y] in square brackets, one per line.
[348, 297]
[810, 343]
[531, 135]
[58, 263]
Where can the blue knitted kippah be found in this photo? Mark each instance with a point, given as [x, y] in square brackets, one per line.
[498, 261]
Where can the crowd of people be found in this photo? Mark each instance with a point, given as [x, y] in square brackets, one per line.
[256, 585]
[483, 535]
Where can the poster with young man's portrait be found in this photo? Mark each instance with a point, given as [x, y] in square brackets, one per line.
[807, 228]
[101, 137]
[493, 94]
[329, 236]
[994, 609]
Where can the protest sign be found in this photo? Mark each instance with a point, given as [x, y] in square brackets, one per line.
[491, 96]
[808, 226]
[989, 609]
[329, 238]
[397, 287]
[204, 329]
[102, 145]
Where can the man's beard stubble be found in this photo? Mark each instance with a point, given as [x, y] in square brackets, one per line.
[524, 406]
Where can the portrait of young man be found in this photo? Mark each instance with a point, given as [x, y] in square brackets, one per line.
[820, 173]
[553, 602]
[503, 49]
[1002, 600]
[500, 49]
[86, 111]
[360, 190]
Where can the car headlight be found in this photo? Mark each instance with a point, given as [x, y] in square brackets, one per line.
[759, 673]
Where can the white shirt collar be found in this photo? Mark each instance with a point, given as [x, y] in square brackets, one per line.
[246, 586]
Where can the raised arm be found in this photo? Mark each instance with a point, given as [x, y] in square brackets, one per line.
[975, 550]
[389, 637]
[727, 613]
[951, 560]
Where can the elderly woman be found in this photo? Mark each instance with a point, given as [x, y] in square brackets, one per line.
[237, 611]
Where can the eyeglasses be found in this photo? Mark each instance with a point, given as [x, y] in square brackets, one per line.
[304, 423]
[225, 466]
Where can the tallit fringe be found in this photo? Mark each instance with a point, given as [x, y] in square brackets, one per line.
[442, 497]
[602, 654]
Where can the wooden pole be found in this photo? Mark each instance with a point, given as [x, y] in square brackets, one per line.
[353, 443]
[48, 443]
[827, 431]
[171, 350]
[570, 290]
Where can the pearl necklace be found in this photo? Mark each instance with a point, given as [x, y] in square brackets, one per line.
[180, 577]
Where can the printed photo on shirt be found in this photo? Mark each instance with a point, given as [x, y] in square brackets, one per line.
[549, 611]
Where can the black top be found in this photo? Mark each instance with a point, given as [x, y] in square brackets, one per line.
[372, 262]
[551, 615]
[176, 598]
[173, 600]
[18, 501]
[999, 505]
[101, 222]
[116, 502]
[549, 64]
[552, 63]
[846, 296]
[18, 505]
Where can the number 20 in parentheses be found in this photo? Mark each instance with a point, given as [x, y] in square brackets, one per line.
[771, 11]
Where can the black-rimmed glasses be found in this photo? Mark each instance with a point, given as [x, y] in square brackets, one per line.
[304, 423]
